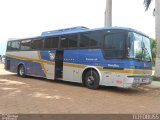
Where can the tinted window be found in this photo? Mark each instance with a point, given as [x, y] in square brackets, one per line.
[91, 39]
[37, 44]
[114, 41]
[9, 46]
[26, 45]
[13, 45]
[114, 45]
[51, 42]
[69, 41]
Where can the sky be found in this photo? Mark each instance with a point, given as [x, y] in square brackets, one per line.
[28, 18]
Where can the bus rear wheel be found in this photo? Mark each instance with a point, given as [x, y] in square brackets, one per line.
[21, 71]
[91, 79]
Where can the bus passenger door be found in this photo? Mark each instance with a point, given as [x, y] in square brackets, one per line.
[48, 63]
[70, 70]
[76, 67]
[76, 74]
[59, 64]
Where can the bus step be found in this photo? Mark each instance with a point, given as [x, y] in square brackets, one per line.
[59, 78]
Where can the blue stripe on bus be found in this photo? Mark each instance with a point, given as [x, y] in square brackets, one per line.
[94, 57]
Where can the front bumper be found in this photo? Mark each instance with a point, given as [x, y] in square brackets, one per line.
[135, 81]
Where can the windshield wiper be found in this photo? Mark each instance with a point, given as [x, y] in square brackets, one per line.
[134, 58]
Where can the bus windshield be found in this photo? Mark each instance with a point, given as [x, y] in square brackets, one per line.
[140, 47]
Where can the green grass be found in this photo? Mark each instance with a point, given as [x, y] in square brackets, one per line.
[156, 78]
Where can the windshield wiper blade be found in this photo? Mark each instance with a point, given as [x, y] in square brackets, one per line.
[133, 58]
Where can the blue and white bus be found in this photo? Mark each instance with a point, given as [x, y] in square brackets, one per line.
[109, 56]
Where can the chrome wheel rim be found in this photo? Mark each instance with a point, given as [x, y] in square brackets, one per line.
[21, 72]
[90, 80]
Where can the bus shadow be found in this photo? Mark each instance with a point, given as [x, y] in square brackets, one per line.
[137, 90]
[56, 81]
[14, 77]
[129, 91]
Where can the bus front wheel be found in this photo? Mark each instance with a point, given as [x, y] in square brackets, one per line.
[21, 71]
[92, 79]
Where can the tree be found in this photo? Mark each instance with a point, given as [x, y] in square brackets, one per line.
[147, 4]
[153, 50]
[108, 13]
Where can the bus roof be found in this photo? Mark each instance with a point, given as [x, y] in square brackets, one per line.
[79, 29]
[64, 31]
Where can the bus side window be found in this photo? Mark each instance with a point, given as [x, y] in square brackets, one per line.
[69, 41]
[9, 46]
[91, 39]
[84, 41]
[51, 42]
[37, 44]
[114, 44]
[26, 45]
[14, 46]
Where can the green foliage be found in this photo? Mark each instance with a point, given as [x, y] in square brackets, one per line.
[139, 55]
[147, 4]
[153, 49]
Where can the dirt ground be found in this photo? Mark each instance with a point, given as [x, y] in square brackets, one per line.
[37, 95]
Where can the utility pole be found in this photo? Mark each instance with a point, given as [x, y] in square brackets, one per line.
[108, 13]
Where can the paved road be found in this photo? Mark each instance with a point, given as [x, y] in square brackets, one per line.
[36, 95]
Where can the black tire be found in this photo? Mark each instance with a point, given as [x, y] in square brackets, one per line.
[21, 71]
[91, 79]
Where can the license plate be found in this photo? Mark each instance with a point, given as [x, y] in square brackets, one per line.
[145, 80]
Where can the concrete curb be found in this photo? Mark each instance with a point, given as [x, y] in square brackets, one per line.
[155, 84]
